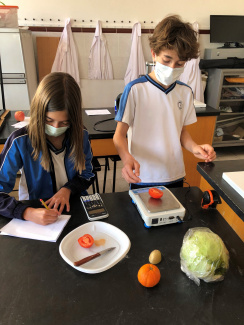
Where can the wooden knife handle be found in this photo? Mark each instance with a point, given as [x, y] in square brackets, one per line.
[86, 259]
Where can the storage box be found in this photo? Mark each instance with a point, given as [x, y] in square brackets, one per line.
[9, 16]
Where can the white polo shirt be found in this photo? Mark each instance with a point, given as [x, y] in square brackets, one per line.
[156, 117]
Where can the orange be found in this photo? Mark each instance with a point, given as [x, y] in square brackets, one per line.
[149, 275]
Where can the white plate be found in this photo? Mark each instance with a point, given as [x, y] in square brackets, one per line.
[71, 251]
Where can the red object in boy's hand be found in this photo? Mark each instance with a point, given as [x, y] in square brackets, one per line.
[155, 193]
[19, 116]
[86, 241]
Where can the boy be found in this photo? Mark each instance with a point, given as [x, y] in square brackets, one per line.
[155, 109]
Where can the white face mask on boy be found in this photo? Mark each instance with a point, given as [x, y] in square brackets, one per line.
[166, 75]
[55, 132]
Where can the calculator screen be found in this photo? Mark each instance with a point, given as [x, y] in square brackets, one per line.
[97, 211]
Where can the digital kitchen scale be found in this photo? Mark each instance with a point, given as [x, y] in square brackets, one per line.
[157, 212]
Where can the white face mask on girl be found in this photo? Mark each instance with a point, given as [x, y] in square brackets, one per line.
[166, 75]
[55, 132]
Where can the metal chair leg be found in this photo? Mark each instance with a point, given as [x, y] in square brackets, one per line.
[97, 184]
[93, 187]
[114, 176]
[105, 174]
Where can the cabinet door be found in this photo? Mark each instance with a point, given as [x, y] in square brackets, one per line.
[232, 93]
[16, 97]
[201, 132]
[230, 128]
[11, 53]
[230, 124]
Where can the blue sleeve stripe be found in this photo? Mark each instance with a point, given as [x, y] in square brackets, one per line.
[6, 149]
[183, 84]
[124, 97]
[8, 144]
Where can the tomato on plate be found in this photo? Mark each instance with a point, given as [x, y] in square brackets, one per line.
[86, 241]
[155, 193]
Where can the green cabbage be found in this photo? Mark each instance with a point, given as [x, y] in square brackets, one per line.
[204, 255]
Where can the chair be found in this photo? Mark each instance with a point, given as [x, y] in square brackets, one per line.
[113, 158]
[117, 101]
[96, 168]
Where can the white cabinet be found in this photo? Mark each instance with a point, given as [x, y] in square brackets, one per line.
[18, 68]
[225, 91]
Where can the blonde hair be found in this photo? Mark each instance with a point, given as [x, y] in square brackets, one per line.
[57, 91]
[174, 34]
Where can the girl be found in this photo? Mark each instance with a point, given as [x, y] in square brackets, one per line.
[53, 153]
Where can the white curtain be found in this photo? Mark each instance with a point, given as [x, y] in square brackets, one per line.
[66, 59]
[192, 75]
[100, 65]
[136, 65]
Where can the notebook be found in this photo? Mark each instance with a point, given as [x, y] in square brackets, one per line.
[31, 230]
[199, 104]
[236, 180]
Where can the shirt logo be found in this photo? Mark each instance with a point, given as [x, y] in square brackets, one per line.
[180, 104]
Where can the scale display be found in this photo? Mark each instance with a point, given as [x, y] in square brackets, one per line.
[156, 212]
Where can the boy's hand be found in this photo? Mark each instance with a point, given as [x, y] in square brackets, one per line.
[204, 151]
[131, 171]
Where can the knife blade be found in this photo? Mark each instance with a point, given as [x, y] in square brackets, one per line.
[91, 257]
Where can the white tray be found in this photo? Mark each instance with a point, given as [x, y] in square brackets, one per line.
[71, 251]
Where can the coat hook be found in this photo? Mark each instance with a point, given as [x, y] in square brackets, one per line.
[58, 19]
[106, 21]
[34, 19]
[151, 22]
[25, 18]
[50, 19]
[91, 21]
[129, 21]
[41, 19]
[122, 21]
[75, 20]
[83, 20]
[144, 22]
[114, 21]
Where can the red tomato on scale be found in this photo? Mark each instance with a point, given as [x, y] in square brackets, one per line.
[86, 241]
[155, 193]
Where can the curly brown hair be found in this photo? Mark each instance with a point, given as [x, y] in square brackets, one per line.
[57, 91]
[174, 34]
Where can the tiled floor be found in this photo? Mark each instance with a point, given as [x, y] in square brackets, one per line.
[121, 185]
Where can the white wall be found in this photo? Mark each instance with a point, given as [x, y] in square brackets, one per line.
[102, 93]
[125, 10]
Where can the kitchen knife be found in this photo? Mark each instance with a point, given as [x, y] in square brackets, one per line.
[91, 257]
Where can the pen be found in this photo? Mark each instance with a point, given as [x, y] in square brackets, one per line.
[44, 204]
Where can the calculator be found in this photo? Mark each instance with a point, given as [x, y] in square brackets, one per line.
[94, 206]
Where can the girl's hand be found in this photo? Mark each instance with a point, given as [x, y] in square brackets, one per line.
[41, 216]
[60, 200]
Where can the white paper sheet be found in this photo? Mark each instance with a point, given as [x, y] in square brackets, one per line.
[22, 124]
[31, 230]
[199, 104]
[97, 112]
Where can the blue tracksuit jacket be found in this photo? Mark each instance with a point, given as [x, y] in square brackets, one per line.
[17, 154]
